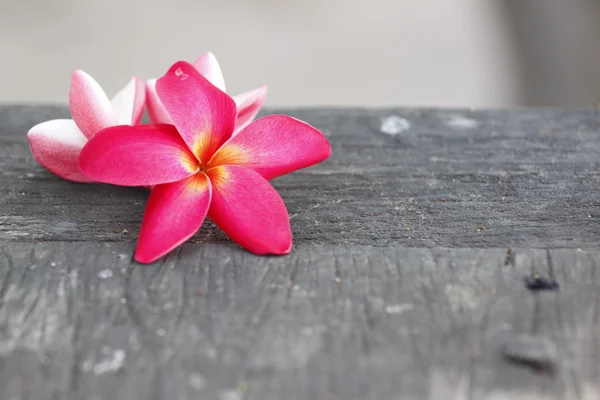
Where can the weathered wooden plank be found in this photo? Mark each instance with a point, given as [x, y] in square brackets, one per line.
[414, 177]
[79, 320]
[385, 296]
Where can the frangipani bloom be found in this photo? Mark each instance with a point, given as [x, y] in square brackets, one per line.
[56, 144]
[248, 103]
[200, 169]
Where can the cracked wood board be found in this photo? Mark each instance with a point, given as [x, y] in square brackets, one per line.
[79, 319]
[411, 246]
[458, 178]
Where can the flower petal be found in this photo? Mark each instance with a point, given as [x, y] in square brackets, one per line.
[248, 105]
[203, 115]
[175, 211]
[156, 111]
[249, 210]
[208, 66]
[274, 145]
[89, 105]
[141, 155]
[56, 146]
[128, 104]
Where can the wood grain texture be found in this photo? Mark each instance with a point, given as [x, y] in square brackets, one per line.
[407, 280]
[530, 177]
[78, 320]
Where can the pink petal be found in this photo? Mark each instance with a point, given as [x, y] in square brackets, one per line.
[56, 146]
[156, 111]
[89, 105]
[274, 145]
[203, 115]
[249, 210]
[128, 104]
[208, 66]
[248, 106]
[141, 155]
[175, 211]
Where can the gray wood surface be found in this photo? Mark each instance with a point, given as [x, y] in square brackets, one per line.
[407, 280]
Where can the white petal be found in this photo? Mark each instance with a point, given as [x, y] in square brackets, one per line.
[156, 111]
[208, 66]
[90, 108]
[248, 105]
[56, 145]
[128, 103]
[63, 131]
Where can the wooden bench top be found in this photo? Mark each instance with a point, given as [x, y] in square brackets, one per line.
[418, 249]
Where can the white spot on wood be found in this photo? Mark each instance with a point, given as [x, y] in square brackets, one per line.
[197, 381]
[161, 332]
[231, 395]
[398, 308]
[394, 125]
[211, 352]
[105, 274]
[462, 122]
[314, 329]
[112, 363]
[63, 226]
[461, 297]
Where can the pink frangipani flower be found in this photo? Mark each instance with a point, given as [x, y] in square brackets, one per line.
[199, 168]
[56, 144]
[248, 103]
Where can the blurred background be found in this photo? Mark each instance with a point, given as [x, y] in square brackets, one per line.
[449, 53]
